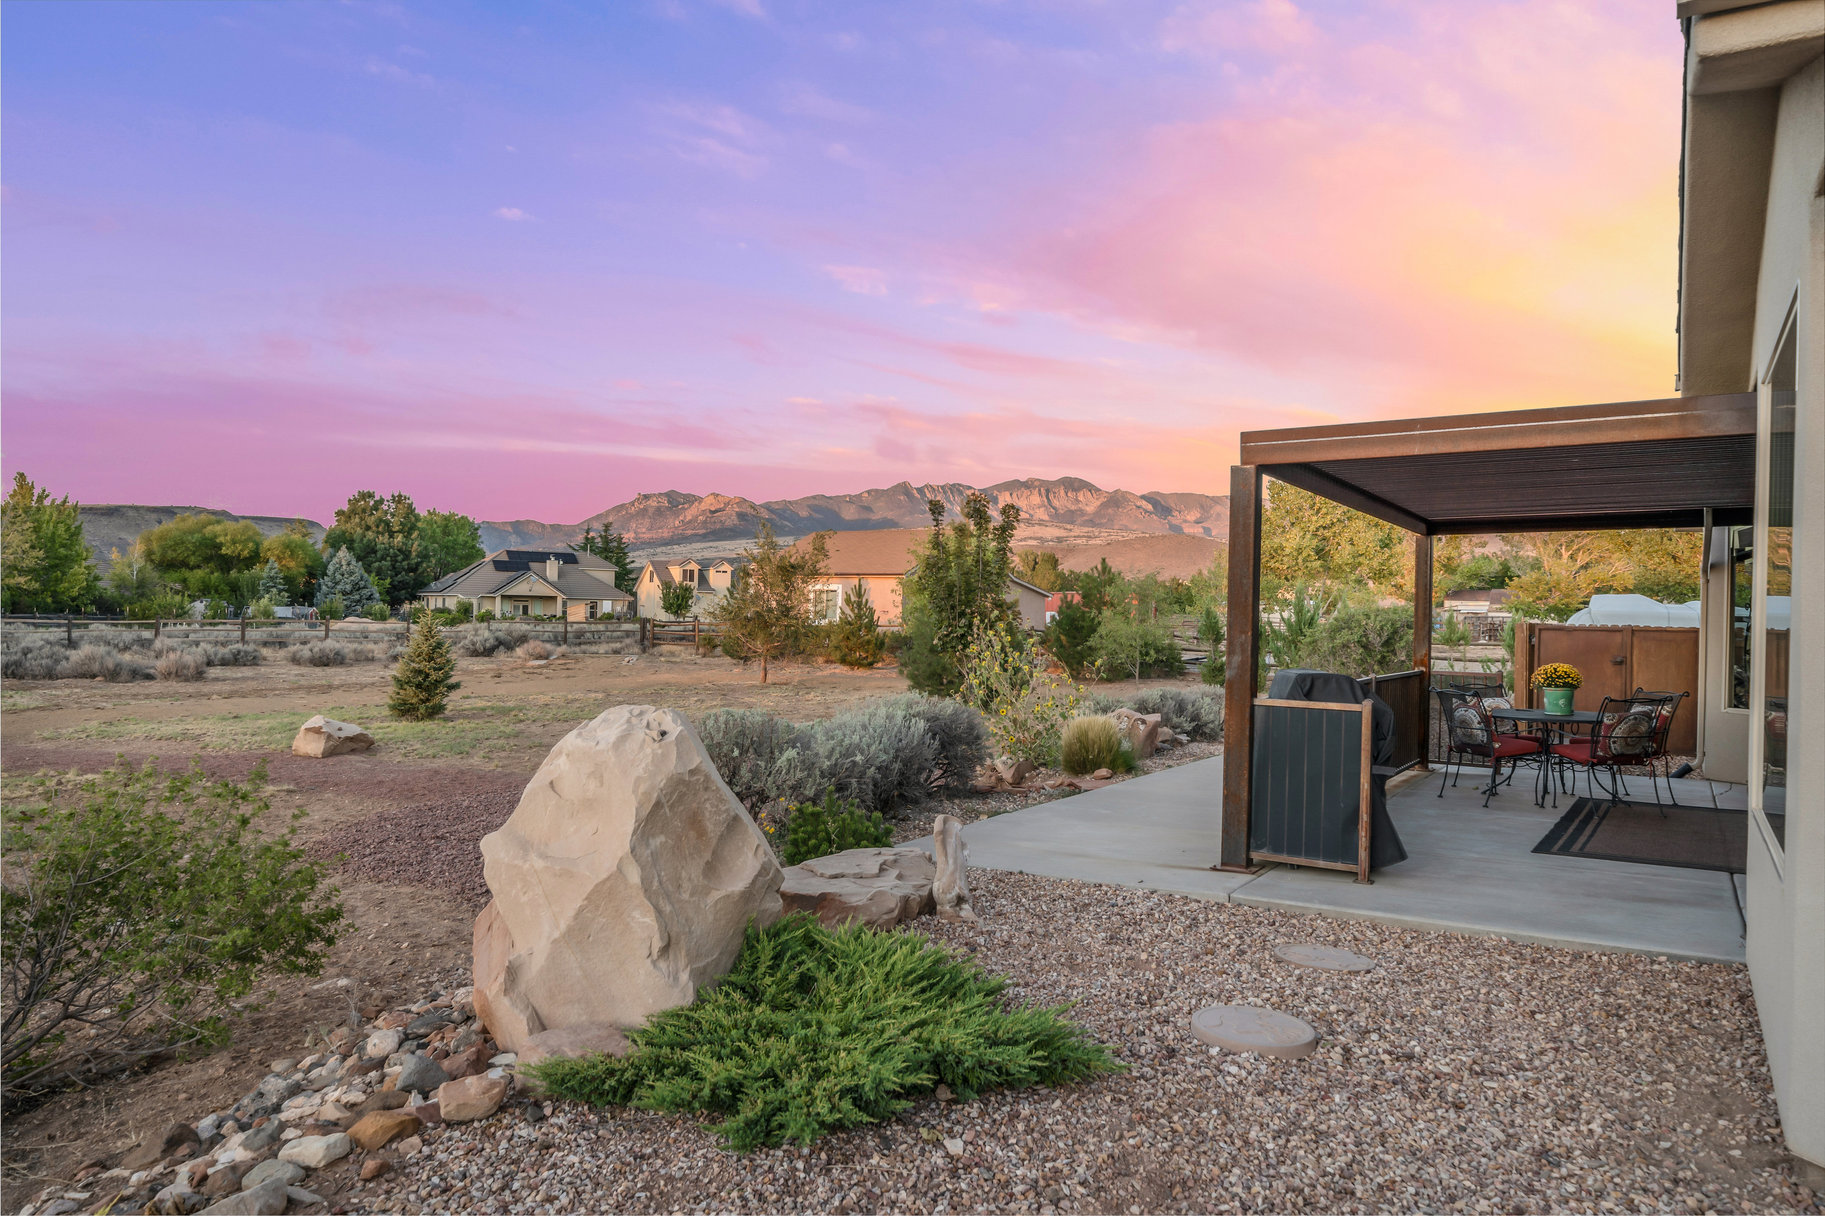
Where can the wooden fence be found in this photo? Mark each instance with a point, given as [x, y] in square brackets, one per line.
[248, 631]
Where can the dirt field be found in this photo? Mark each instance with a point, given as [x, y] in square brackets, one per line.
[400, 823]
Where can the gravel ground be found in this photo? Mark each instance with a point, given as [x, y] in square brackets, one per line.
[1463, 1074]
[431, 845]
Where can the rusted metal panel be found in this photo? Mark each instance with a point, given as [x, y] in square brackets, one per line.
[1243, 658]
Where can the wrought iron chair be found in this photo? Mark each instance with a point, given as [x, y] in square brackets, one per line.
[1470, 732]
[1668, 703]
[1629, 731]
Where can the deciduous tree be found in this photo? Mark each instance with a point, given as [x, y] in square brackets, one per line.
[447, 541]
[767, 610]
[45, 563]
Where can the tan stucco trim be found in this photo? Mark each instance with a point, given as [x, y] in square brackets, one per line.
[1753, 48]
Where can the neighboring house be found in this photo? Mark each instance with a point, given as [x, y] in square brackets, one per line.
[1493, 602]
[709, 577]
[534, 582]
[1056, 601]
[881, 560]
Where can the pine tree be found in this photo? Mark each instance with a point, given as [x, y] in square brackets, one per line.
[346, 582]
[272, 584]
[858, 633]
[611, 547]
[422, 683]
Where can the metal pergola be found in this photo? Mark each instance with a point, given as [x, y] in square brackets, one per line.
[1674, 463]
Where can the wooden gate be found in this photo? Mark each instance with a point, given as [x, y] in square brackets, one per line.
[1615, 660]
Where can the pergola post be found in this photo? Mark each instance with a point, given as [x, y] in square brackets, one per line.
[1422, 638]
[1243, 661]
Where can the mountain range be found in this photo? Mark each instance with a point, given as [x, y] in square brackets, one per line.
[673, 517]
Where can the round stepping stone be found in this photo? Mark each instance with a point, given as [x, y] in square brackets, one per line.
[1250, 1028]
[1326, 958]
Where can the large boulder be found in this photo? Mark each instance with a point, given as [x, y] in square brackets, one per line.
[878, 887]
[321, 736]
[1143, 731]
[623, 882]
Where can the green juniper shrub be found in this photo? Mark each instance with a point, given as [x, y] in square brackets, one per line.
[816, 1030]
[818, 829]
[1091, 743]
[140, 905]
[422, 683]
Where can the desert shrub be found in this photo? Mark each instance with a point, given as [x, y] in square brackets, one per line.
[489, 640]
[485, 615]
[532, 648]
[1128, 646]
[377, 612]
[234, 656]
[396, 652]
[744, 745]
[1360, 642]
[138, 909]
[1024, 707]
[185, 665]
[816, 1030]
[33, 659]
[1198, 715]
[880, 756]
[322, 653]
[818, 829]
[120, 639]
[1089, 744]
[90, 661]
[958, 734]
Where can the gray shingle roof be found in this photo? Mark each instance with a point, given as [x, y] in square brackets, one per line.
[580, 575]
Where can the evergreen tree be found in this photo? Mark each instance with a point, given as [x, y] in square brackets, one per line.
[858, 641]
[768, 610]
[1070, 637]
[273, 587]
[45, 563]
[382, 535]
[347, 583]
[959, 587]
[611, 547]
[422, 683]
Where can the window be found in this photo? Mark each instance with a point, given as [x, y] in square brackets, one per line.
[824, 603]
[1777, 589]
[590, 612]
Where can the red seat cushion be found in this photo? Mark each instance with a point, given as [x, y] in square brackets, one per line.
[1510, 745]
[1578, 751]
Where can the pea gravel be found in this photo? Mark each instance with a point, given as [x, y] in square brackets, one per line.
[1462, 1074]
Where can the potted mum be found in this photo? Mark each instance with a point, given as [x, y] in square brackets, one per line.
[1557, 682]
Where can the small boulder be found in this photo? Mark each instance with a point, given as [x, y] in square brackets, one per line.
[287, 1172]
[476, 1059]
[1014, 772]
[420, 1074]
[950, 888]
[382, 1127]
[1143, 731]
[1102, 774]
[315, 1152]
[383, 1043]
[154, 1149]
[374, 1167]
[267, 1199]
[226, 1180]
[878, 887]
[321, 736]
[471, 1097]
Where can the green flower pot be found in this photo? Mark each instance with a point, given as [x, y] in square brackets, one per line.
[1557, 700]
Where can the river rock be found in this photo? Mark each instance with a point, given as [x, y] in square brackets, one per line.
[420, 1074]
[287, 1172]
[321, 736]
[471, 1097]
[315, 1152]
[381, 1127]
[623, 882]
[878, 887]
[267, 1199]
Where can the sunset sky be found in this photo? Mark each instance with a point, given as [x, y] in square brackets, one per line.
[524, 261]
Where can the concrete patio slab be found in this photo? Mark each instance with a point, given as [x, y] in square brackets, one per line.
[1469, 870]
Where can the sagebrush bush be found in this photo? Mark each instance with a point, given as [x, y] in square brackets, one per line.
[960, 738]
[322, 653]
[489, 640]
[180, 665]
[533, 648]
[818, 829]
[744, 745]
[1089, 744]
[33, 659]
[91, 662]
[1198, 715]
[139, 908]
[816, 1030]
[235, 656]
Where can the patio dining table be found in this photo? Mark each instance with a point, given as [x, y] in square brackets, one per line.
[1559, 727]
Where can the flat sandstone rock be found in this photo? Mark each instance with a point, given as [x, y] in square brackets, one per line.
[1251, 1028]
[1325, 958]
[878, 887]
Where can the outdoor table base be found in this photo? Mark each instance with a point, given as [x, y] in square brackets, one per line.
[1558, 729]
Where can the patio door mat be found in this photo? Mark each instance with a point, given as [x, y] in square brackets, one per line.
[1692, 837]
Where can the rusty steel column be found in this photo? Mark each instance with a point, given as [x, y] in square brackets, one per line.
[1422, 639]
[1239, 686]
